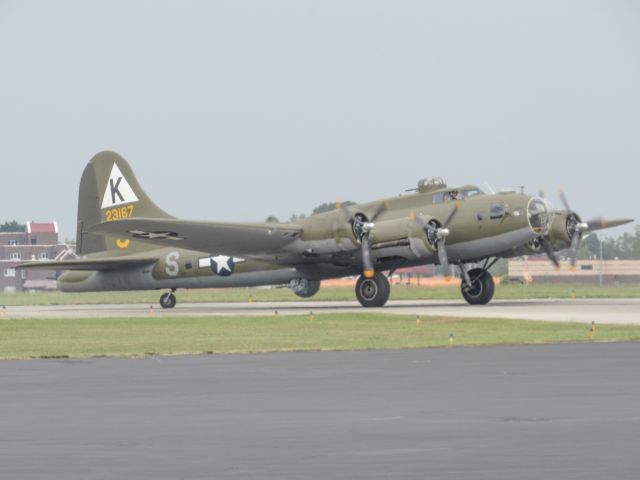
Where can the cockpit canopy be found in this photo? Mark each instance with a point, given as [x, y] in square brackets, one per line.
[455, 194]
[443, 194]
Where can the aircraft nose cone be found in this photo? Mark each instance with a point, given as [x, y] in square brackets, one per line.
[539, 215]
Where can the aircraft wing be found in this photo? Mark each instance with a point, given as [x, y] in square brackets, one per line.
[228, 237]
[601, 223]
[90, 264]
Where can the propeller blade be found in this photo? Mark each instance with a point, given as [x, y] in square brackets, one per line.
[575, 246]
[419, 220]
[452, 214]
[564, 201]
[384, 205]
[443, 258]
[600, 223]
[548, 249]
[344, 215]
[367, 262]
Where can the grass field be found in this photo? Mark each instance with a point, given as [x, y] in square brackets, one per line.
[61, 338]
[398, 292]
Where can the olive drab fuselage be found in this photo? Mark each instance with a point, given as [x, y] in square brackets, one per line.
[486, 225]
[126, 242]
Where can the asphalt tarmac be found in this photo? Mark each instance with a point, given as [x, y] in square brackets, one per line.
[527, 412]
[622, 311]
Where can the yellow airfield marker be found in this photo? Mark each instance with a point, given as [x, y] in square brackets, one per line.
[311, 316]
[250, 298]
[417, 320]
[451, 338]
[592, 329]
[151, 311]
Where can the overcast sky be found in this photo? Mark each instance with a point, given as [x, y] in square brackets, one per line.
[236, 110]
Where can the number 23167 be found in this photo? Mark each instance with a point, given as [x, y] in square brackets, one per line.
[118, 213]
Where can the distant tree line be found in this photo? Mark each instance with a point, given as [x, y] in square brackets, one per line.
[624, 247]
[12, 226]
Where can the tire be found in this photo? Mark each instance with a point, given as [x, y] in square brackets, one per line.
[305, 288]
[482, 290]
[168, 300]
[374, 291]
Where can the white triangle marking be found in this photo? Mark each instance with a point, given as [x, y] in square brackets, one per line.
[118, 190]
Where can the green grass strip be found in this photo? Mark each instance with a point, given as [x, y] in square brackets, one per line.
[62, 338]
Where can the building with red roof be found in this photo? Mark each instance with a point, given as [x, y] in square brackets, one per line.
[38, 242]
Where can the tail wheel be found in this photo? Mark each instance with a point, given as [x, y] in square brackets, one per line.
[374, 291]
[168, 300]
[481, 291]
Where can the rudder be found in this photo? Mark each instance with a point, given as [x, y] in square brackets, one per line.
[110, 191]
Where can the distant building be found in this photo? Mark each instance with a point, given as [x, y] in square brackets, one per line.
[38, 242]
[540, 269]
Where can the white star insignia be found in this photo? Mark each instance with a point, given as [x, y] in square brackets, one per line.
[222, 263]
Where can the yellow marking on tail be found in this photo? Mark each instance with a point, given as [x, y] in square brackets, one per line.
[122, 244]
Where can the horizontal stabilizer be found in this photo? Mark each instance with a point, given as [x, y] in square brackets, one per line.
[229, 238]
[90, 264]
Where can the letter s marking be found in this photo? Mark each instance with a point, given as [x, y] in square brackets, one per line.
[172, 267]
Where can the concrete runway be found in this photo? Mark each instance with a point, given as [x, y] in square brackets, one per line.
[622, 311]
[532, 412]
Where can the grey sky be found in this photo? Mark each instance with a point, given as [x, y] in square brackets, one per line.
[237, 110]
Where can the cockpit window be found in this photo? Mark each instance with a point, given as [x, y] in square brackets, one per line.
[472, 192]
[455, 195]
[452, 195]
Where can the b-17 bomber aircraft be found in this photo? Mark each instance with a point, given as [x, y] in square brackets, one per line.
[126, 242]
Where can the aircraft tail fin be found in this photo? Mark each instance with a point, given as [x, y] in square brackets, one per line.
[110, 191]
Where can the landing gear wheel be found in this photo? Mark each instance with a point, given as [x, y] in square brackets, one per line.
[482, 288]
[374, 291]
[168, 300]
[305, 288]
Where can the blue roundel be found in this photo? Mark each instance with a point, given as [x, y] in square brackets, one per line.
[222, 265]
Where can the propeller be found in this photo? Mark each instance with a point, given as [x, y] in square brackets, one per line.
[579, 227]
[362, 227]
[440, 234]
[548, 249]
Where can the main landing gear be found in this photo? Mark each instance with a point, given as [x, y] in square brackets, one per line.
[374, 291]
[168, 300]
[477, 284]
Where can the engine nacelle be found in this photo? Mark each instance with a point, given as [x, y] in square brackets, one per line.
[563, 227]
[404, 236]
[562, 230]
